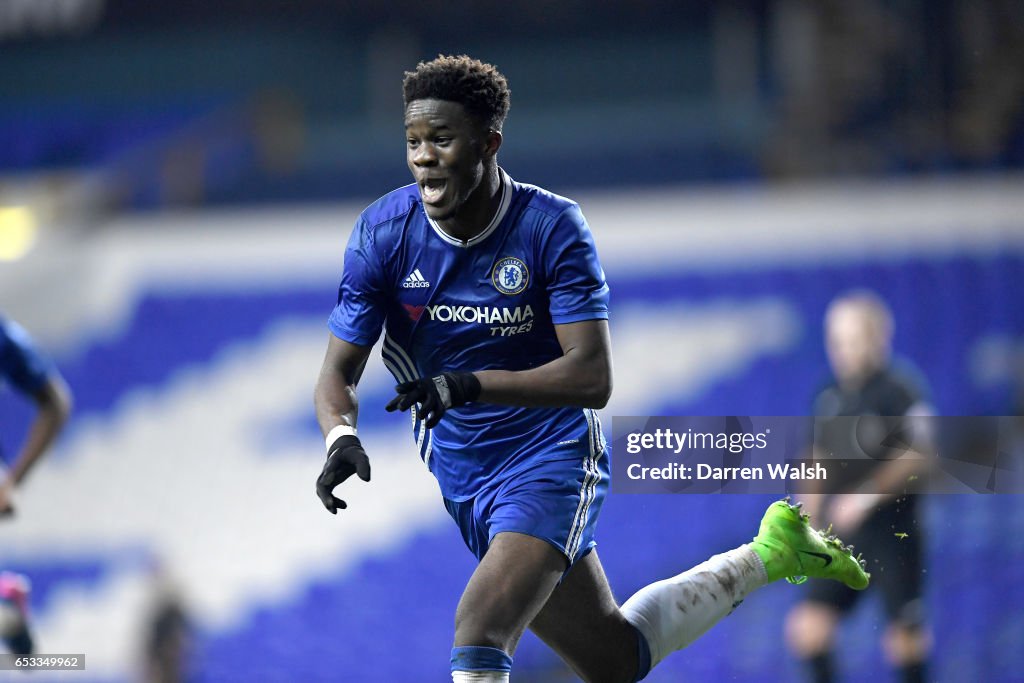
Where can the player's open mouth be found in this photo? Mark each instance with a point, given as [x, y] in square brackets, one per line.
[432, 190]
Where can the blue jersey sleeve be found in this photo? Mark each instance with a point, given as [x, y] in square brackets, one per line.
[576, 284]
[359, 314]
[20, 363]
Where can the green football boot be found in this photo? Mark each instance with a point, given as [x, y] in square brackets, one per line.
[792, 550]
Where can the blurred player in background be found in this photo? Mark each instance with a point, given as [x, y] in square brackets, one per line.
[168, 641]
[495, 313]
[879, 520]
[28, 371]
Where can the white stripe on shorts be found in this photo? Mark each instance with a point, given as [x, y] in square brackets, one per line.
[587, 490]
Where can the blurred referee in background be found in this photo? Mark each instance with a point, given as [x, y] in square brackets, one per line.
[867, 507]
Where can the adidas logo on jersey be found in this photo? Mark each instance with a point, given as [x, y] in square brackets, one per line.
[415, 280]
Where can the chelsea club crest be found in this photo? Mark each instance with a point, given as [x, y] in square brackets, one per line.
[510, 275]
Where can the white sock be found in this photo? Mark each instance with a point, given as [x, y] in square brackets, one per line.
[479, 677]
[673, 613]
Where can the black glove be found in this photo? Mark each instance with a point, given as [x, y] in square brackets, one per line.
[436, 394]
[345, 458]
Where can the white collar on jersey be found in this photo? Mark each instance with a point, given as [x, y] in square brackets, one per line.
[503, 204]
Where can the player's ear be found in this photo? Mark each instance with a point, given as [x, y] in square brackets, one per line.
[492, 141]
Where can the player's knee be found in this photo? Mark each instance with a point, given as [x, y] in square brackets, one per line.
[810, 629]
[472, 629]
[906, 643]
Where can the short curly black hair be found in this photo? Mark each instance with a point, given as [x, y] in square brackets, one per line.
[477, 86]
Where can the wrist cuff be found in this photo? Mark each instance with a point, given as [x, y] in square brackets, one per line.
[470, 385]
[339, 430]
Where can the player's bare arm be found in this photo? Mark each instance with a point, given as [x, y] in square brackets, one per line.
[581, 377]
[54, 403]
[336, 410]
[335, 393]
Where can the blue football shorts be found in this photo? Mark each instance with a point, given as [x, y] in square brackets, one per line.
[556, 501]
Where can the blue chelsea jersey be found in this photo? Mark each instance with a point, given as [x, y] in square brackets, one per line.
[487, 303]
